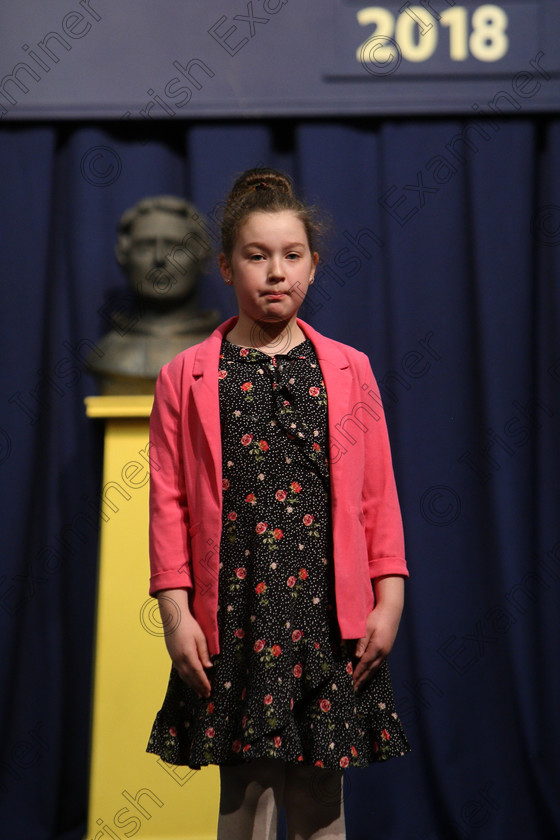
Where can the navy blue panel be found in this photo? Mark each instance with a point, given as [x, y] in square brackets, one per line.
[96, 59]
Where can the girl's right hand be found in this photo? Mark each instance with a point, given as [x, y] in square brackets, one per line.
[186, 643]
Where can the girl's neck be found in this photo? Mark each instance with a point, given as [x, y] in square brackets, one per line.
[267, 336]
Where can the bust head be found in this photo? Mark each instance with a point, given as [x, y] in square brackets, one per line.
[161, 249]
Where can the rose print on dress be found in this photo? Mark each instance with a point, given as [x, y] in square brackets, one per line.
[268, 654]
[270, 713]
[288, 497]
[270, 536]
[311, 525]
[260, 590]
[257, 448]
[247, 388]
[296, 582]
[231, 527]
[319, 393]
[236, 580]
[238, 645]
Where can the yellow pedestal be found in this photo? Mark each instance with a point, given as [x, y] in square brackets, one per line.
[133, 793]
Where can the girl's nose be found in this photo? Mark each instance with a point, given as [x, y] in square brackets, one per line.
[275, 268]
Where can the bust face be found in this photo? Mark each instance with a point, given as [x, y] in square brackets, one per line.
[164, 259]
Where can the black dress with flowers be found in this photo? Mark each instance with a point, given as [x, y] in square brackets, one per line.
[282, 683]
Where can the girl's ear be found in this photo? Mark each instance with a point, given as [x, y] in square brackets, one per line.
[315, 259]
[225, 268]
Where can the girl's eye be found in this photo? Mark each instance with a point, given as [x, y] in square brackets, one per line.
[293, 256]
[256, 257]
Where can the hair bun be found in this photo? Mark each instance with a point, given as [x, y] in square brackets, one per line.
[263, 190]
[260, 179]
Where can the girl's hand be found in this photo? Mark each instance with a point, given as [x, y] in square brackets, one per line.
[185, 641]
[376, 645]
[381, 628]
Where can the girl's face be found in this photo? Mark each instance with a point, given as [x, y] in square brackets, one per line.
[271, 266]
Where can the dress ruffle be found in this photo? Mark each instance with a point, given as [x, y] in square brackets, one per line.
[357, 730]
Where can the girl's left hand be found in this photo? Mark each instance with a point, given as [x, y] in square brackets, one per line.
[381, 629]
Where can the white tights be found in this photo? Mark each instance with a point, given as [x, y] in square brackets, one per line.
[251, 795]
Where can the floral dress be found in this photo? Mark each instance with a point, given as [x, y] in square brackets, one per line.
[282, 683]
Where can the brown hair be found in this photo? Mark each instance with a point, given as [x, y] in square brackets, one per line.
[263, 190]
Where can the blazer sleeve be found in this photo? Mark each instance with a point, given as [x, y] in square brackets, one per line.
[380, 503]
[168, 530]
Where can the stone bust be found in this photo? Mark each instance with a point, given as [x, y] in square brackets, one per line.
[161, 248]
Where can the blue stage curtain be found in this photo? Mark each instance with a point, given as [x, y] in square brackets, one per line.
[443, 266]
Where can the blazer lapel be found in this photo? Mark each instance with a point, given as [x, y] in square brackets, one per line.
[338, 382]
[204, 389]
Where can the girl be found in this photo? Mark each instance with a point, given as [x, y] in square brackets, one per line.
[276, 542]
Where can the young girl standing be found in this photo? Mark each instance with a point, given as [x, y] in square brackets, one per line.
[276, 542]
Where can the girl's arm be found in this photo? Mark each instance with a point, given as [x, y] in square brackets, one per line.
[170, 561]
[171, 575]
[384, 537]
[381, 627]
[380, 503]
[185, 640]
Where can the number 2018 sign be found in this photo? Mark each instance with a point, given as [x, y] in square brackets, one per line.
[434, 38]
[416, 32]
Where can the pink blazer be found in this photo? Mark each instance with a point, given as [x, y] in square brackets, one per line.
[186, 481]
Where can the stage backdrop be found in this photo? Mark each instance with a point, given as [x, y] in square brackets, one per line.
[444, 269]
